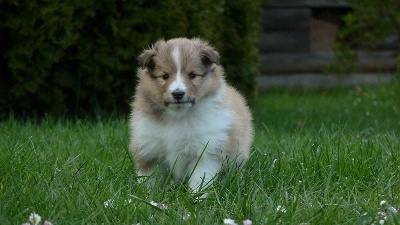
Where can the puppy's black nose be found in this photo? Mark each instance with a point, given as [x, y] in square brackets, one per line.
[178, 95]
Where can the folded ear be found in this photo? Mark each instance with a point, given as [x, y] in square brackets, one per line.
[146, 58]
[209, 56]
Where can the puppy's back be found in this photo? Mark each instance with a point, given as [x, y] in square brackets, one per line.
[241, 133]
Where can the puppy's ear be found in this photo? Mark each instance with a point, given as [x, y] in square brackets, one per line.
[209, 56]
[146, 59]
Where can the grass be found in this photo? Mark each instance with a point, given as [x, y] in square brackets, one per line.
[319, 157]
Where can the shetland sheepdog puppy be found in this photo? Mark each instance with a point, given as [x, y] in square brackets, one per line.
[186, 120]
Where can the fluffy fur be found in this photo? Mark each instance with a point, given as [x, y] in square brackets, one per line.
[185, 118]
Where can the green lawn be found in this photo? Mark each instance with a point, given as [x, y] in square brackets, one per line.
[319, 157]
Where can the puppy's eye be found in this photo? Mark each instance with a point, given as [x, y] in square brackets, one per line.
[192, 75]
[165, 76]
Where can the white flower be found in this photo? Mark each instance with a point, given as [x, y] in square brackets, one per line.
[108, 203]
[281, 209]
[35, 218]
[383, 202]
[153, 203]
[392, 209]
[187, 216]
[159, 205]
[229, 222]
[162, 206]
[383, 214]
[47, 223]
[381, 222]
[247, 222]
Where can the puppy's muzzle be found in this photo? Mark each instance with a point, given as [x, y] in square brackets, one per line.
[179, 97]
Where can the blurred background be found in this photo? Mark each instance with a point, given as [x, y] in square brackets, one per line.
[78, 58]
[303, 39]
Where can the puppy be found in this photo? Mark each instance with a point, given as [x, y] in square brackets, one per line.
[185, 118]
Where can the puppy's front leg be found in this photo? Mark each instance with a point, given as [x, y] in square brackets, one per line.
[144, 168]
[203, 173]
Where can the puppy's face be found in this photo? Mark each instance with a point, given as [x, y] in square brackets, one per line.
[180, 72]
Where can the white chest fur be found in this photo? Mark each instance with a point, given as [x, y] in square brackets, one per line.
[180, 141]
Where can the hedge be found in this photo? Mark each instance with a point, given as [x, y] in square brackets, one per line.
[79, 56]
[369, 22]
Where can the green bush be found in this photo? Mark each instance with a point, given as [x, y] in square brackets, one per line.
[369, 22]
[240, 35]
[74, 57]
